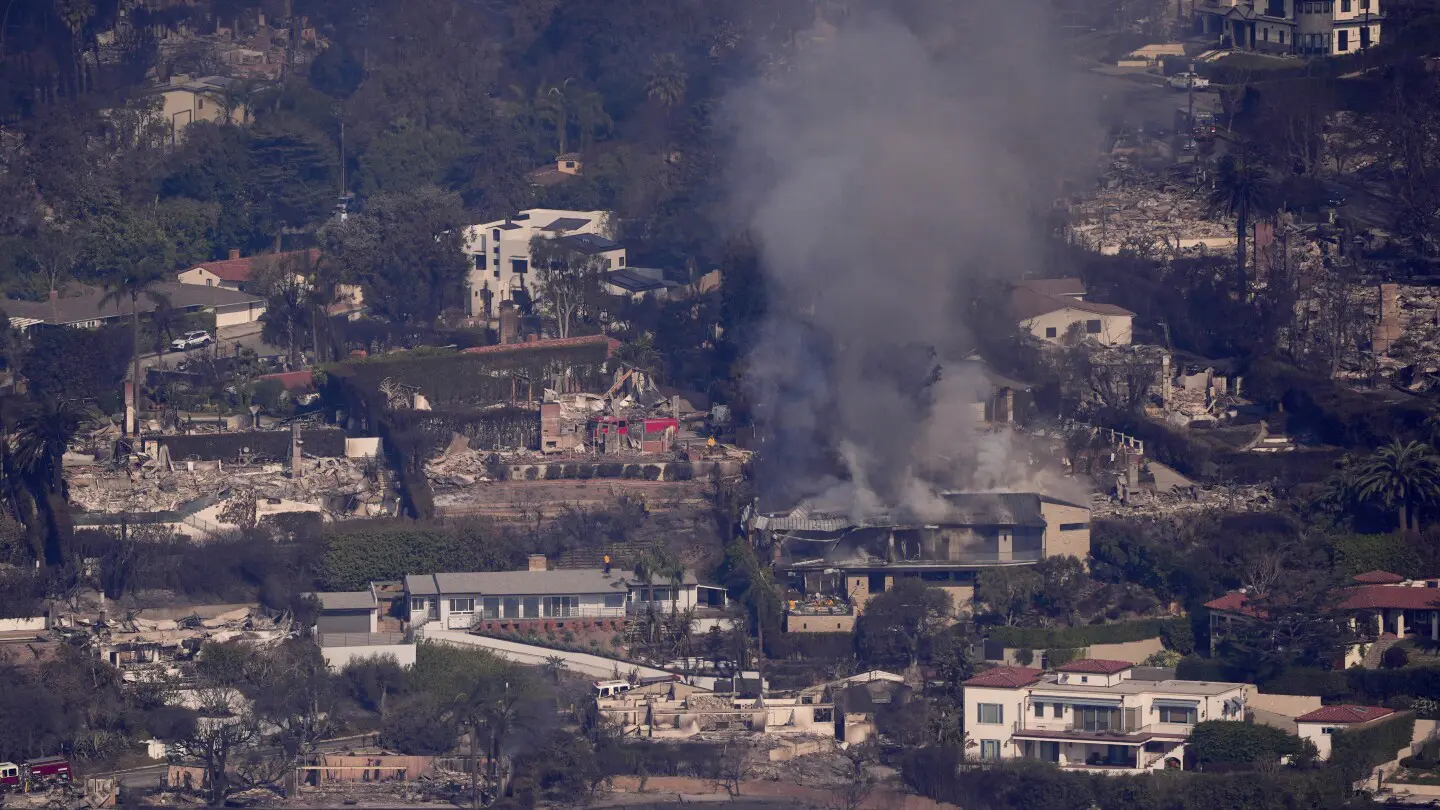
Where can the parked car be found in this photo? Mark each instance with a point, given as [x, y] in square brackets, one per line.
[1185, 81]
[191, 340]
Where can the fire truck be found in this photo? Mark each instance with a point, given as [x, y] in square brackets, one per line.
[33, 774]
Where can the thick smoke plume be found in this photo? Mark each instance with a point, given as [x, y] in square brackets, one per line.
[882, 167]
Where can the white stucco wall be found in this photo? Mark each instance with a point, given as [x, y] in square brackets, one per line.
[337, 657]
[1115, 330]
[497, 273]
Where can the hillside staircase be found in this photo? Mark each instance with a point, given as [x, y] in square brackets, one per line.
[1376, 652]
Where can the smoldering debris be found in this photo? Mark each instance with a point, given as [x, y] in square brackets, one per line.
[890, 166]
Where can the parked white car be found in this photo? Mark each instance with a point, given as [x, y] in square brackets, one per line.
[191, 340]
[1183, 81]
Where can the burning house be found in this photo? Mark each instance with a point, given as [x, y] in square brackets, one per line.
[837, 562]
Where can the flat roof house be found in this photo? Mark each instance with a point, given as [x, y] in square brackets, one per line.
[839, 562]
[347, 629]
[500, 251]
[1092, 715]
[460, 601]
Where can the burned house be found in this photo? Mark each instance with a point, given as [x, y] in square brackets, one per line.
[836, 562]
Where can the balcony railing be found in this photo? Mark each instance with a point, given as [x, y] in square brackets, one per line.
[1117, 733]
[820, 609]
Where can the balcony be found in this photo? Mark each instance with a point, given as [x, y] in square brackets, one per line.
[1072, 732]
[820, 606]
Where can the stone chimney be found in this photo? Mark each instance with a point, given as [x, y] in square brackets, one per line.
[538, 563]
[234, 253]
[1388, 328]
[509, 323]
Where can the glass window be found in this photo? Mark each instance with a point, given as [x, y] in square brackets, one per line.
[989, 749]
[480, 261]
[1092, 327]
[519, 266]
[512, 607]
[496, 234]
[1059, 710]
[532, 607]
[662, 594]
[462, 605]
[991, 713]
[614, 600]
[492, 607]
[1039, 709]
[1171, 714]
[417, 604]
[1344, 40]
[561, 606]
[1050, 332]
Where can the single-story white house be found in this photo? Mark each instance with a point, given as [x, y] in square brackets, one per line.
[85, 309]
[458, 600]
[236, 273]
[1049, 308]
[1319, 726]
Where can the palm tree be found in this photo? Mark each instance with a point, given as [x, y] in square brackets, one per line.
[135, 279]
[1402, 476]
[588, 107]
[1242, 190]
[552, 104]
[667, 80]
[42, 435]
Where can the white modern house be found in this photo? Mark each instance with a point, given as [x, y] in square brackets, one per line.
[1304, 27]
[1049, 308]
[499, 251]
[1092, 715]
[347, 629]
[458, 601]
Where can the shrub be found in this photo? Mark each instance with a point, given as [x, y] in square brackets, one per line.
[1024, 656]
[358, 553]
[1178, 636]
[1060, 656]
[1357, 752]
[1037, 638]
[1234, 741]
[1395, 658]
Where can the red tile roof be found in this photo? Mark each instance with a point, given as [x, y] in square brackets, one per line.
[1399, 597]
[292, 380]
[1006, 677]
[1344, 714]
[1234, 602]
[610, 343]
[1097, 666]
[1378, 578]
[241, 270]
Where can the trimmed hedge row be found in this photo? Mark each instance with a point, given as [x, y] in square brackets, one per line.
[1039, 638]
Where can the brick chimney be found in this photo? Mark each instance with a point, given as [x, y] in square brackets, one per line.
[234, 253]
[538, 563]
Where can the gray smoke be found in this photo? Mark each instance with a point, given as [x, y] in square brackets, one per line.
[883, 166]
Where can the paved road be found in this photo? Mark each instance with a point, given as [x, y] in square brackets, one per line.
[247, 336]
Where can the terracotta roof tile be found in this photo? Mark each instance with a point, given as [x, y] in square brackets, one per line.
[241, 270]
[1097, 666]
[1234, 602]
[1399, 597]
[1378, 578]
[1344, 714]
[1006, 677]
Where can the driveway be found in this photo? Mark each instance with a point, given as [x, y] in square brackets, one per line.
[228, 339]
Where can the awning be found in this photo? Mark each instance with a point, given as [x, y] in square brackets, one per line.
[1177, 704]
[1106, 702]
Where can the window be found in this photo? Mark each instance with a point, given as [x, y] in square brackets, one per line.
[1058, 710]
[569, 164]
[492, 607]
[1154, 747]
[1344, 39]
[989, 749]
[614, 600]
[1049, 331]
[462, 605]
[200, 102]
[495, 234]
[1265, 34]
[1039, 709]
[519, 266]
[934, 576]
[1092, 327]
[991, 713]
[1364, 5]
[417, 604]
[562, 606]
[1282, 36]
[1073, 527]
[1327, 730]
[512, 607]
[1174, 714]
[622, 261]
[1084, 679]
[662, 595]
[479, 261]
[1345, 6]
[209, 282]
[532, 607]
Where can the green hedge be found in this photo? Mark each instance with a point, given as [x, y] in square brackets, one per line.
[1357, 752]
[357, 553]
[1040, 638]
[1233, 741]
